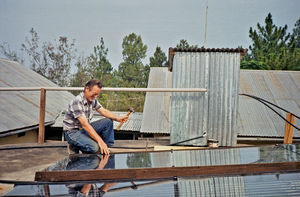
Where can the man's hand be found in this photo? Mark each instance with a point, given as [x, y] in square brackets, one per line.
[108, 114]
[122, 118]
[93, 134]
[103, 148]
[103, 162]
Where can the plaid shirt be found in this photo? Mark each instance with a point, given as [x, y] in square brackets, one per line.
[79, 107]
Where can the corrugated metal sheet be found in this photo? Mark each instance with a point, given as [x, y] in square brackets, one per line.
[278, 87]
[213, 112]
[21, 109]
[254, 119]
[157, 104]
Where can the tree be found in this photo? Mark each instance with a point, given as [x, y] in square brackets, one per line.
[53, 62]
[82, 74]
[131, 70]
[184, 44]
[131, 73]
[38, 61]
[159, 58]
[60, 60]
[9, 54]
[296, 33]
[272, 49]
[99, 66]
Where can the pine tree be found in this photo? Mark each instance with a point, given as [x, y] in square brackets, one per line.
[273, 48]
[159, 58]
[132, 70]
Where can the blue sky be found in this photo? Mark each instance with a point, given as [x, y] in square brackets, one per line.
[160, 22]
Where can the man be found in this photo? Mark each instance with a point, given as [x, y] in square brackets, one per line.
[80, 133]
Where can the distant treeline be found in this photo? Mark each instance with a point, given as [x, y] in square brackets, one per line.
[273, 48]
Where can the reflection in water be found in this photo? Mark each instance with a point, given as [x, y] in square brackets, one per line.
[230, 156]
[259, 185]
[139, 160]
[88, 162]
[279, 153]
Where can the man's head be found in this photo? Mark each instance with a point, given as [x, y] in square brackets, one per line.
[92, 89]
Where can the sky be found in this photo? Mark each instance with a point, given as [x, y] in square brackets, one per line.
[159, 22]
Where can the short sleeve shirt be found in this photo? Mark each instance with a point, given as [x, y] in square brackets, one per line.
[79, 107]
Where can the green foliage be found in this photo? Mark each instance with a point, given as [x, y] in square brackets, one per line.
[296, 33]
[272, 49]
[121, 101]
[184, 44]
[131, 70]
[131, 73]
[99, 66]
[95, 66]
[81, 76]
[159, 58]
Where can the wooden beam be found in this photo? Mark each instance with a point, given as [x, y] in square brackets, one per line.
[41, 137]
[288, 133]
[163, 148]
[166, 172]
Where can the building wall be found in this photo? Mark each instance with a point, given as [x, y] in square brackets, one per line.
[29, 137]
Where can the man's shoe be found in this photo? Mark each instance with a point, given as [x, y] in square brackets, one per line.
[72, 149]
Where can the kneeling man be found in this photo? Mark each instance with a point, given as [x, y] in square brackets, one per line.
[80, 132]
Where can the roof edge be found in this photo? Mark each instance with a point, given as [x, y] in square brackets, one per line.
[197, 50]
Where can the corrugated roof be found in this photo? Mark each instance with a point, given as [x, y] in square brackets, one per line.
[133, 124]
[20, 109]
[254, 119]
[156, 107]
[279, 87]
[237, 50]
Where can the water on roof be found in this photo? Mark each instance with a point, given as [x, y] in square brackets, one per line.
[274, 184]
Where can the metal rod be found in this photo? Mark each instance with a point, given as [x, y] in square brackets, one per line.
[206, 24]
[105, 89]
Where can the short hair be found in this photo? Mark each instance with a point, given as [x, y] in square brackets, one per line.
[93, 82]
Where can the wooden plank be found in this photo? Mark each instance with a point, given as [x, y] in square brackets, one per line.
[162, 148]
[41, 137]
[288, 133]
[166, 172]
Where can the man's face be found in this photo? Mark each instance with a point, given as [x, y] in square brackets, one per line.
[91, 93]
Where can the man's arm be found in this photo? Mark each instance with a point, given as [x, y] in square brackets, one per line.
[108, 114]
[93, 134]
